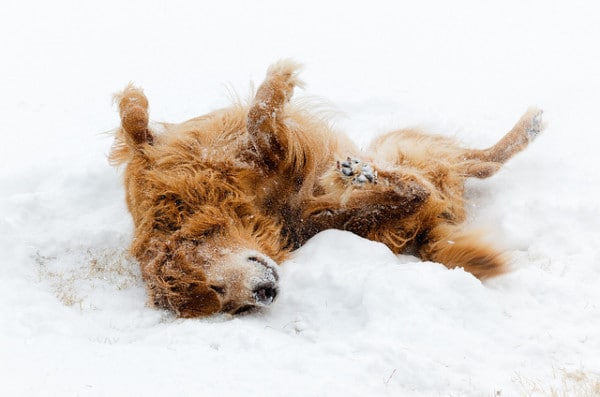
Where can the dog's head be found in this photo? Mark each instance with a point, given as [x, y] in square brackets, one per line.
[241, 276]
[214, 261]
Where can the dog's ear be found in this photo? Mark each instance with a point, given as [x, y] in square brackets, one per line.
[191, 296]
[195, 300]
[174, 283]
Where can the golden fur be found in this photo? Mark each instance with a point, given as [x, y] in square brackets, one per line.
[218, 200]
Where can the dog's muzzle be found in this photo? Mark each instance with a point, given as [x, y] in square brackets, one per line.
[266, 284]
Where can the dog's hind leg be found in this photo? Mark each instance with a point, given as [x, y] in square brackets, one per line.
[134, 132]
[484, 163]
[266, 118]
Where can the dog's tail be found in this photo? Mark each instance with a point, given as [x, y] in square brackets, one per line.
[133, 134]
[453, 247]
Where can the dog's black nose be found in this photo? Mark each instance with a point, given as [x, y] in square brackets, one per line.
[265, 293]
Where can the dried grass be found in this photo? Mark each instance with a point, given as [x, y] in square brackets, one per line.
[568, 383]
[76, 271]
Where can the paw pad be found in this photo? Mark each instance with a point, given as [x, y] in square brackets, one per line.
[536, 126]
[357, 172]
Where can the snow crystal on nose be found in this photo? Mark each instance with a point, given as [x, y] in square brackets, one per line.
[267, 275]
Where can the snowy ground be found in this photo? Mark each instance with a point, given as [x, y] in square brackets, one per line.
[353, 319]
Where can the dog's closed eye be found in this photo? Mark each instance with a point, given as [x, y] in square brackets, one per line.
[218, 289]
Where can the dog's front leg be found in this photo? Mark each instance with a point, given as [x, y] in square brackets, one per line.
[266, 118]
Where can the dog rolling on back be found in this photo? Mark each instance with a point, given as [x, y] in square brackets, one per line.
[219, 200]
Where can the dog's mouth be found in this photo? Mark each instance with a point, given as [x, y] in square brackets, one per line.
[247, 309]
[264, 295]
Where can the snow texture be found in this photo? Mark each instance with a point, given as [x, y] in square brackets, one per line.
[352, 319]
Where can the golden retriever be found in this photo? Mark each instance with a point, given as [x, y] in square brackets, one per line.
[219, 200]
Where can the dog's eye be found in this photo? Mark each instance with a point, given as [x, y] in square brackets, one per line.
[218, 289]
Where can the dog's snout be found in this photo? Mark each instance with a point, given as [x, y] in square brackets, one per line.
[268, 265]
[265, 293]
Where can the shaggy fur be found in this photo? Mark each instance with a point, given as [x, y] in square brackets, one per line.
[218, 200]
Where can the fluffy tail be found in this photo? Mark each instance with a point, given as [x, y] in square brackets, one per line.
[449, 245]
[133, 133]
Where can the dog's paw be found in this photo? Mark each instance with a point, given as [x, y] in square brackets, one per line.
[356, 172]
[286, 71]
[535, 124]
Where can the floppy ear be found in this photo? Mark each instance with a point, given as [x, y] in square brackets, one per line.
[174, 283]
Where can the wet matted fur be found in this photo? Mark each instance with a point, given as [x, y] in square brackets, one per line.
[219, 200]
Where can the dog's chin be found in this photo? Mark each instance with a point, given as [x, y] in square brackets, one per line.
[248, 310]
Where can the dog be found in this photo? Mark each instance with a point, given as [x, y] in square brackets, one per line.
[220, 200]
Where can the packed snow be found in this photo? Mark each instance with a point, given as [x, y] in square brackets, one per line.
[352, 318]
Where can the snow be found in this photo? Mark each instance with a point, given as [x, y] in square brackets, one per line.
[352, 319]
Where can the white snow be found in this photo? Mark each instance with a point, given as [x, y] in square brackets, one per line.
[352, 318]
